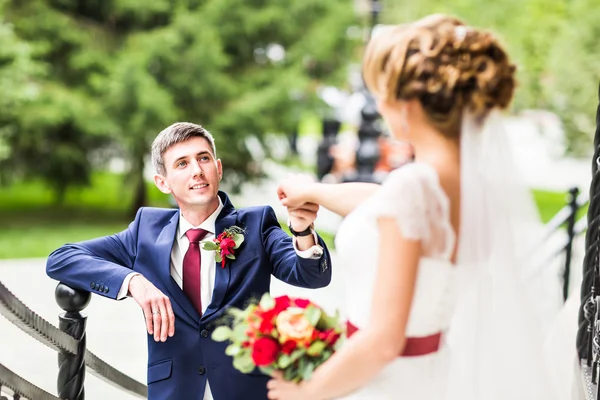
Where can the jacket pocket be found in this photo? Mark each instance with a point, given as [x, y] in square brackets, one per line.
[159, 371]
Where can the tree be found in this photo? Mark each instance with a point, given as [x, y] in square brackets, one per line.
[137, 66]
[553, 44]
[16, 71]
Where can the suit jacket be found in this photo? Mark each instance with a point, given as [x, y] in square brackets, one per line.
[178, 368]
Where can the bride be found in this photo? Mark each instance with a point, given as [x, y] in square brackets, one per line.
[435, 309]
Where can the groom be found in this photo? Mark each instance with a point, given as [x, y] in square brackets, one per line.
[181, 289]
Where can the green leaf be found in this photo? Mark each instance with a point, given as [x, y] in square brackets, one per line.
[209, 245]
[284, 361]
[267, 302]
[230, 256]
[218, 257]
[237, 313]
[290, 374]
[222, 333]
[296, 354]
[316, 348]
[313, 314]
[239, 333]
[233, 349]
[267, 370]
[308, 371]
[243, 363]
[238, 239]
[327, 322]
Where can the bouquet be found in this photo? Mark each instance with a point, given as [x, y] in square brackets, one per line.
[291, 335]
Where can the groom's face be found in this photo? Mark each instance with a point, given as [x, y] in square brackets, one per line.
[192, 174]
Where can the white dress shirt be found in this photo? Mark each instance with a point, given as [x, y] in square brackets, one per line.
[207, 259]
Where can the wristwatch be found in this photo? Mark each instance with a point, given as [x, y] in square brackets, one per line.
[306, 232]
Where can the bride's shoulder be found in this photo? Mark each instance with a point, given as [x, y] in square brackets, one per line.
[413, 174]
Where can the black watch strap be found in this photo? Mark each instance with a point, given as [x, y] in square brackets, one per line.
[306, 232]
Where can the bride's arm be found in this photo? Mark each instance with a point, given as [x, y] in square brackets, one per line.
[340, 198]
[372, 347]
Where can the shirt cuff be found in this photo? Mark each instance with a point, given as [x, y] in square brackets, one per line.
[314, 252]
[125, 286]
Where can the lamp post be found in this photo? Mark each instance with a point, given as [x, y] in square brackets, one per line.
[370, 128]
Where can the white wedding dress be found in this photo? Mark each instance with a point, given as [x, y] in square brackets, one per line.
[413, 196]
[491, 345]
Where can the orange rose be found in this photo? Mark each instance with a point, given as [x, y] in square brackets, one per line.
[293, 325]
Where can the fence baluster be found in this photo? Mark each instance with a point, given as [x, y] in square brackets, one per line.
[71, 373]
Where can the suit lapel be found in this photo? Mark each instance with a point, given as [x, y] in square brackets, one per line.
[164, 245]
[226, 219]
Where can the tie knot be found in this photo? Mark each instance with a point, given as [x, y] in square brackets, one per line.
[195, 235]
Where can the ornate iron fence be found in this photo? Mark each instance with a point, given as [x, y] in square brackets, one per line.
[588, 334]
[68, 340]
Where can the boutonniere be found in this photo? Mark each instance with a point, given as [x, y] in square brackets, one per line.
[225, 244]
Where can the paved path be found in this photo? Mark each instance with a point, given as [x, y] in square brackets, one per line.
[115, 330]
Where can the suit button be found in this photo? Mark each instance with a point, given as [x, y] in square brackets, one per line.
[106, 289]
[92, 285]
[96, 286]
[204, 333]
[201, 370]
[102, 288]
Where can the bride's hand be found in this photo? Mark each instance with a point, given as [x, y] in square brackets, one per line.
[280, 389]
[295, 190]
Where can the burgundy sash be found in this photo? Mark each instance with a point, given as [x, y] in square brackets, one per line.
[415, 346]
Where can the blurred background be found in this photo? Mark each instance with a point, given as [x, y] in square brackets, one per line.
[85, 86]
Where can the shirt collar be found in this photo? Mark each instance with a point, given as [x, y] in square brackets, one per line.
[207, 225]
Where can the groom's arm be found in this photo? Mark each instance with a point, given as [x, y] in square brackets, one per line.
[99, 265]
[290, 266]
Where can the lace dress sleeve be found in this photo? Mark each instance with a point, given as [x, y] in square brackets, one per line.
[412, 195]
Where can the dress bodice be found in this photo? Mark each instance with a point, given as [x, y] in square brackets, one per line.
[413, 196]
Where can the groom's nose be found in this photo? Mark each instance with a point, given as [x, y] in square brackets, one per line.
[196, 168]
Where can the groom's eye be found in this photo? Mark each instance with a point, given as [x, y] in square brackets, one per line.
[181, 164]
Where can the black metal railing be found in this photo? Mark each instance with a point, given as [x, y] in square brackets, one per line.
[567, 228]
[68, 340]
[588, 334]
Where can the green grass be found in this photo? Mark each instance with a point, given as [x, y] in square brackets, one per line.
[549, 203]
[32, 225]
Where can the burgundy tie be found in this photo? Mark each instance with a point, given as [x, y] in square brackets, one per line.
[191, 268]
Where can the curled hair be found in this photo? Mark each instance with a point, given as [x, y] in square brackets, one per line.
[444, 64]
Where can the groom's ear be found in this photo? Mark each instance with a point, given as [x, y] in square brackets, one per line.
[161, 183]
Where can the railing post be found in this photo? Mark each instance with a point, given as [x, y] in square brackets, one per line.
[573, 193]
[71, 368]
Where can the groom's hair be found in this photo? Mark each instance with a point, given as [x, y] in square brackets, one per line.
[177, 133]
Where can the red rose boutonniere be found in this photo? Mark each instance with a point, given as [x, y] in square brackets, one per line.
[225, 244]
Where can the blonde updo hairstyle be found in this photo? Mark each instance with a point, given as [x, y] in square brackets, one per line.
[444, 64]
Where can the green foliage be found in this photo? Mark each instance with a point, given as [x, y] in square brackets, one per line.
[117, 72]
[554, 44]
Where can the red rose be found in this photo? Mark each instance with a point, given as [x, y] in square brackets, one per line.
[266, 326]
[265, 351]
[281, 303]
[221, 236]
[288, 347]
[227, 244]
[330, 336]
[302, 303]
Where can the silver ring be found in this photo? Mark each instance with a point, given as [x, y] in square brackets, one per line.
[155, 312]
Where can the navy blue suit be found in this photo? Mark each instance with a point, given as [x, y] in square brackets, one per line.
[179, 367]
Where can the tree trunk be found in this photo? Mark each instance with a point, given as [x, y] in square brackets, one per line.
[139, 195]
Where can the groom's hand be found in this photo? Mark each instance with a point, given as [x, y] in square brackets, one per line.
[303, 216]
[158, 313]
